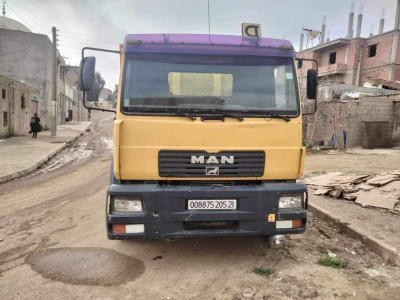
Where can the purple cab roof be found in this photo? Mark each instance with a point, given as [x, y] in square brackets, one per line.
[207, 44]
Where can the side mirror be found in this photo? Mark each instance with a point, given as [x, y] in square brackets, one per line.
[312, 83]
[86, 73]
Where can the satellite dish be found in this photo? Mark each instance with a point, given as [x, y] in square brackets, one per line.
[315, 33]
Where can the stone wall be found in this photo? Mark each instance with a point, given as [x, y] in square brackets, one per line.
[362, 120]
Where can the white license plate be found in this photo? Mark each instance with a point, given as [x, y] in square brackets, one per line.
[227, 204]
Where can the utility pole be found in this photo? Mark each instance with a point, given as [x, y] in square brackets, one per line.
[54, 85]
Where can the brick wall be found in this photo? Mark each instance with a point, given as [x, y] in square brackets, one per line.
[334, 117]
[348, 55]
[383, 51]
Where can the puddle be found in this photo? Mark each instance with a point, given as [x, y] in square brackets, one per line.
[86, 266]
[72, 155]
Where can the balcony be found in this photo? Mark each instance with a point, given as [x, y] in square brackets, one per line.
[332, 69]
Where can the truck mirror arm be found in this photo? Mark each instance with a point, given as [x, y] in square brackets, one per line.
[84, 92]
[300, 64]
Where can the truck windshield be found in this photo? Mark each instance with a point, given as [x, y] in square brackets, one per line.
[249, 85]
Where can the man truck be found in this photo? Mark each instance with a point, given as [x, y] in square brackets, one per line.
[207, 137]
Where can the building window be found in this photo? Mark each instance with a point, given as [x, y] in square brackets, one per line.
[3, 93]
[372, 50]
[22, 101]
[332, 58]
[5, 119]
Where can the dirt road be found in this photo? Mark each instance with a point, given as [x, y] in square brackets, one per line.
[353, 161]
[53, 245]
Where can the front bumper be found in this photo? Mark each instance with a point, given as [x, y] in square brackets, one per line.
[165, 213]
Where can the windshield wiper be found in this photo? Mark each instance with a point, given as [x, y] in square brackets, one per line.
[181, 114]
[230, 115]
[221, 114]
[270, 114]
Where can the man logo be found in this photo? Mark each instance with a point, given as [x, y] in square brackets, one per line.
[212, 171]
[212, 159]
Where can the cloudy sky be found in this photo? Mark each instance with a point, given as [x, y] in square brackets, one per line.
[104, 23]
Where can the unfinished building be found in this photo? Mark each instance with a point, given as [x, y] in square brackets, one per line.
[355, 68]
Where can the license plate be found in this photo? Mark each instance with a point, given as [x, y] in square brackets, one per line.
[227, 204]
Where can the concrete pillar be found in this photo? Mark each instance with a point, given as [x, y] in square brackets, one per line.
[397, 18]
[350, 27]
[323, 30]
[381, 25]
[301, 42]
[351, 22]
[358, 78]
[359, 24]
[382, 22]
[393, 57]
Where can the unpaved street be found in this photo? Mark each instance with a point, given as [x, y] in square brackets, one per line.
[53, 245]
[353, 161]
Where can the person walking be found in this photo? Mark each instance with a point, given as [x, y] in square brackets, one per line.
[35, 126]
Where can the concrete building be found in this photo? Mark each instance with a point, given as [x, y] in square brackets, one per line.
[18, 103]
[105, 94]
[72, 104]
[106, 99]
[359, 61]
[27, 56]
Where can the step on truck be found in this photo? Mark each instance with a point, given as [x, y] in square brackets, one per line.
[207, 137]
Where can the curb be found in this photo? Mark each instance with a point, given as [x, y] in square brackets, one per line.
[386, 251]
[36, 165]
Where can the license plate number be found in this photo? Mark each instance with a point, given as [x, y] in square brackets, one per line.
[228, 204]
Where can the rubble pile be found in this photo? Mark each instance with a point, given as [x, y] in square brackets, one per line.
[382, 190]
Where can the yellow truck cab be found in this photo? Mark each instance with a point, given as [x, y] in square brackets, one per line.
[207, 138]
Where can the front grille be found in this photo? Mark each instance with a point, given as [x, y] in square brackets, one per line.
[179, 164]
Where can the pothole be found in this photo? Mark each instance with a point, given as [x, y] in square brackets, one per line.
[86, 266]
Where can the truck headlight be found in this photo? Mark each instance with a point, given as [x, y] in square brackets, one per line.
[291, 201]
[125, 205]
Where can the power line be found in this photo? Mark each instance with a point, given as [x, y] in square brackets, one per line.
[23, 21]
[75, 38]
[88, 43]
[77, 52]
[46, 27]
[78, 47]
[98, 36]
[45, 24]
[16, 15]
